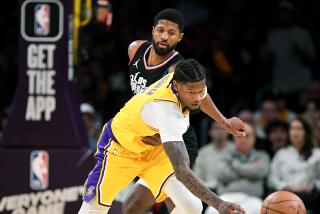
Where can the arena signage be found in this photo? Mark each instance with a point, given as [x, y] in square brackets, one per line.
[51, 201]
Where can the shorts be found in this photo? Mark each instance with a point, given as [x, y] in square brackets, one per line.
[116, 167]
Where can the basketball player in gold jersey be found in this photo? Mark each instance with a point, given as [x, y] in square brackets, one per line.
[145, 139]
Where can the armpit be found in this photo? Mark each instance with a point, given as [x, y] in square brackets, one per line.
[152, 140]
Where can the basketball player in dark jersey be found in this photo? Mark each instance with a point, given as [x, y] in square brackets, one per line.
[141, 73]
[149, 61]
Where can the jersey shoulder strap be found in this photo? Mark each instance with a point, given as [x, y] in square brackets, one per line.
[140, 51]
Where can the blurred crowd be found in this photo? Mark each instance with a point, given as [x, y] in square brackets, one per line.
[262, 66]
[251, 50]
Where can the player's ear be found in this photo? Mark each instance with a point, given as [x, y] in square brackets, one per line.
[180, 36]
[175, 85]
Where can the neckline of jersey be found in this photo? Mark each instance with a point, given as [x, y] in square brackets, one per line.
[173, 54]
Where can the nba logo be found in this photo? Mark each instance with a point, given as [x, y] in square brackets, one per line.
[42, 19]
[39, 170]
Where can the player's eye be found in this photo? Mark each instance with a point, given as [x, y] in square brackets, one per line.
[172, 33]
[160, 30]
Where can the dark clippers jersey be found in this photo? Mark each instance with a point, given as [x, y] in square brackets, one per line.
[142, 75]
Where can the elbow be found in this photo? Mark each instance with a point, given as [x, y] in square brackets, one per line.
[181, 172]
[179, 176]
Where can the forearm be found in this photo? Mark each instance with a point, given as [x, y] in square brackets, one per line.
[178, 156]
[232, 125]
[209, 108]
[194, 185]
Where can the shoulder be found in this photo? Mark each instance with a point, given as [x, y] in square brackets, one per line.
[175, 61]
[316, 152]
[262, 154]
[205, 149]
[284, 153]
[136, 44]
[167, 107]
[133, 47]
[172, 68]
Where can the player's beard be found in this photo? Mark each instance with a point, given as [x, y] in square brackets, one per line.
[194, 111]
[162, 51]
[191, 111]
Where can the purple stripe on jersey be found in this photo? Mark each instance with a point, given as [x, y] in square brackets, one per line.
[173, 89]
[102, 177]
[101, 154]
[165, 180]
[104, 140]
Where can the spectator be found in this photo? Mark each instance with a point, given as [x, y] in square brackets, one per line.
[316, 131]
[312, 94]
[312, 115]
[92, 130]
[285, 114]
[241, 173]
[289, 50]
[277, 137]
[206, 164]
[246, 115]
[268, 112]
[296, 168]
[311, 112]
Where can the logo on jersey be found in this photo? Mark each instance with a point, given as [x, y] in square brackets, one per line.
[42, 19]
[90, 191]
[138, 84]
[136, 63]
[39, 170]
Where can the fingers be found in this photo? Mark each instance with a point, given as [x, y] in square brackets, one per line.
[243, 129]
[243, 126]
[236, 209]
[237, 127]
[239, 133]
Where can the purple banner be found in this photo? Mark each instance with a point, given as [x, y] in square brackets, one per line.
[45, 111]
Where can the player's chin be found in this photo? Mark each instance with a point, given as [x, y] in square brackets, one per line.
[194, 107]
[162, 51]
[196, 111]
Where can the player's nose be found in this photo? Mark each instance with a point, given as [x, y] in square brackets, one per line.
[164, 36]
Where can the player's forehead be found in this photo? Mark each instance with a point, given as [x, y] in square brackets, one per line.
[196, 86]
[167, 24]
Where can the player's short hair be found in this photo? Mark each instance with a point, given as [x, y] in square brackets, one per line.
[172, 15]
[189, 70]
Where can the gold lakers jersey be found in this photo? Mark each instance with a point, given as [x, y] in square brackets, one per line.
[128, 126]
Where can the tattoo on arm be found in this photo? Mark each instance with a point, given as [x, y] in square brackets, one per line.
[178, 156]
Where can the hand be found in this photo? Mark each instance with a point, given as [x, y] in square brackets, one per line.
[235, 126]
[230, 208]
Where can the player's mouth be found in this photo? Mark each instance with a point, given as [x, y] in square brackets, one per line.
[163, 45]
[195, 105]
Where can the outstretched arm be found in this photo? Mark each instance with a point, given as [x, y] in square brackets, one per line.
[233, 125]
[178, 156]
